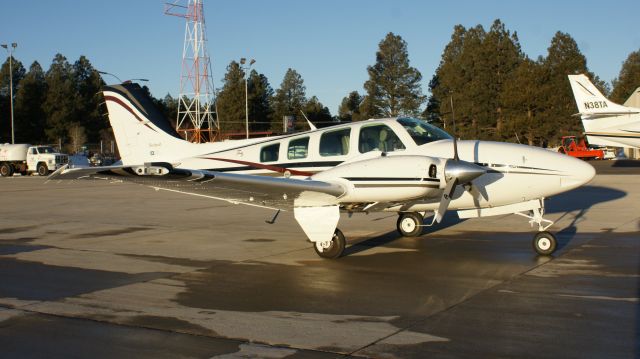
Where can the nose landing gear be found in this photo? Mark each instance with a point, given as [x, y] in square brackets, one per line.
[544, 243]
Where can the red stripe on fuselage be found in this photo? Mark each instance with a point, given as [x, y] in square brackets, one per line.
[119, 102]
[262, 166]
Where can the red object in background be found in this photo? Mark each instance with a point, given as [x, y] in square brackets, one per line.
[579, 149]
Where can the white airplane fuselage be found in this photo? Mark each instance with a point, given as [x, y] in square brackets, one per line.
[398, 173]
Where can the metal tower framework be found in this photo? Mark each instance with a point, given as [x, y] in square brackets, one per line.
[195, 114]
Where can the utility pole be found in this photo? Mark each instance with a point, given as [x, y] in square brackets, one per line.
[13, 48]
[246, 91]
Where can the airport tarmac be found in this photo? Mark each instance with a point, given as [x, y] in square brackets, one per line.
[104, 270]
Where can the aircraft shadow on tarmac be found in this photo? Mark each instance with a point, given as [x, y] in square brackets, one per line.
[575, 203]
[577, 206]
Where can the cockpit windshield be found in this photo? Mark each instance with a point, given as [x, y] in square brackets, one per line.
[46, 149]
[423, 132]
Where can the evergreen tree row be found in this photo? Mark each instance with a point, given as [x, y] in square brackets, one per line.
[485, 87]
[61, 105]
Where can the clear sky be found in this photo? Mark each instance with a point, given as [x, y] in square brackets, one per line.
[329, 42]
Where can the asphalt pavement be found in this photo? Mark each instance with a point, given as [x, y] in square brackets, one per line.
[104, 270]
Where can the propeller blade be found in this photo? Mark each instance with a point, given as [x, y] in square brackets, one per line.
[446, 198]
[455, 149]
[479, 192]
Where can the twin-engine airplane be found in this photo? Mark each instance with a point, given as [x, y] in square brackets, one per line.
[605, 123]
[401, 165]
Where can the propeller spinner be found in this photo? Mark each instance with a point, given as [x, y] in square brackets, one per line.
[456, 173]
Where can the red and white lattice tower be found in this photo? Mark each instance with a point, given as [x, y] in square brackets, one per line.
[195, 114]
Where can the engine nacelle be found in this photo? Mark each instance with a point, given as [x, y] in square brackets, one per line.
[388, 178]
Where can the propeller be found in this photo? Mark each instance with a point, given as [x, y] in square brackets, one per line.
[456, 173]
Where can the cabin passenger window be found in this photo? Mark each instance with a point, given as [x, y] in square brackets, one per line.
[269, 153]
[33, 151]
[335, 143]
[298, 148]
[378, 137]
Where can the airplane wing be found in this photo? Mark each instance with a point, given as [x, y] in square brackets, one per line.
[259, 191]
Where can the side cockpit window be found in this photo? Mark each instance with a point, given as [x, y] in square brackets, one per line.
[378, 137]
[298, 148]
[422, 132]
[269, 153]
[335, 143]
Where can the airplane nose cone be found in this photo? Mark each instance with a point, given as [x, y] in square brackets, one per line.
[578, 173]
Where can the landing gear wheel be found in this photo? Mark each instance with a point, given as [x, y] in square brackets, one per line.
[42, 169]
[409, 224]
[6, 170]
[544, 243]
[331, 249]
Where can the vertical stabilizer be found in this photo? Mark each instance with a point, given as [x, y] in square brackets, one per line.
[142, 132]
[591, 102]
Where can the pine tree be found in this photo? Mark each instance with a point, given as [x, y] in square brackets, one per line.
[563, 58]
[317, 113]
[170, 108]
[290, 98]
[502, 56]
[521, 97]
[393, 87]
[60, 103]
[231, 100]
[349, 110]
[454, 82]
[628, 80]
[5, 99]
[30, 118]
[260, 93]
[471, 75]
[90, 102]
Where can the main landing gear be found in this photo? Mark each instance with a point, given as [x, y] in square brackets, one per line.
[333, 248]
[410, 224]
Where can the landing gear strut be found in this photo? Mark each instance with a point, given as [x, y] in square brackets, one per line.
[333, 248]
[410, 224]
[544, 243]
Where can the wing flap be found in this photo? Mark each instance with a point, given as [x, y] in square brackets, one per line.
[262, 191]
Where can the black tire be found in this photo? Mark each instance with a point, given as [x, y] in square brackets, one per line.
[409, 224]
[544, 243]
[336, 247]
[6, 170]
[42, 169]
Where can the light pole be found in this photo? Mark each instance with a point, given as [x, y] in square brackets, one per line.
[13, 48]
[110, 74]
[246, 91]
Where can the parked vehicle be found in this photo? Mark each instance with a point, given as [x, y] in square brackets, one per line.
[26, 159]
[580, 149]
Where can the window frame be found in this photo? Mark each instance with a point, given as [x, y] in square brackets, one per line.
[306, 155]
[389, 129]
[322, 136]
[277, 152]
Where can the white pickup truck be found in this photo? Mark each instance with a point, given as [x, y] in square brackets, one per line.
[26, 159]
